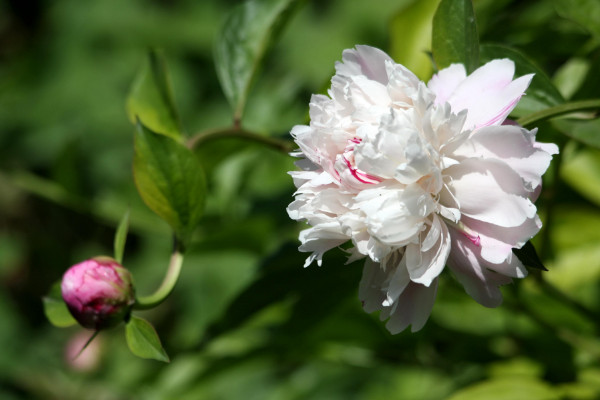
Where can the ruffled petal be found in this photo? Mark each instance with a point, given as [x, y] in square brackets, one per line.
[391, 291]
[320, 239]
[413, 307]
[364, 60]
[425, 261]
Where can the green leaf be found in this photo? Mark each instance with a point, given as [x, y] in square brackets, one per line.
[410, 38]
[586, 132]
[151, 98]
[454, 35]
[170, 180]
[529, 257]
[581, 170]
[590, 87]
[242, 43]
[143, 341]
[557, 111]
[541, 90]
[121, 237]
[583, 12]
[509, 388]
[56, 310]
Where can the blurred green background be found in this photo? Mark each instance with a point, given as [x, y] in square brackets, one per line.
[246, 321]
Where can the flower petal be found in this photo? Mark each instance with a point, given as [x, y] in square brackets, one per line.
[427, 260]
[513, 145]
[406, 303]
[413, 307]
[489, 93]
[497, 242]
[465, 263]
[489, 191]
[364, 60]
[445, 82]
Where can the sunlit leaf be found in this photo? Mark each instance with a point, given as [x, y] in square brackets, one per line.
[513, 388]
[56, 310]
[586, 132]
[410, 37]
[242, 43]
[143, 341]
[581, 171]
[121, 237]
[169, 179]
[151, 98]
[454, 35]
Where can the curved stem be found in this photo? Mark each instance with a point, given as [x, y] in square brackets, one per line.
[165, 289]
[561, 109]
[283, 146]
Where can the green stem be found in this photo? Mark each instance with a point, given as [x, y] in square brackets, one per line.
[165, 289]
[567, 108]
[283, 146]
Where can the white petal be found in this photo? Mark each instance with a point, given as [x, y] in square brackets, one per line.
[489, 93]
[320, 239]
[364, 60]
[489, 191]
[413, 308]
[465, 263]
[411, 305]
[446, 81]
[497, 241]
[425, 262]
[513, 145]
[371, 290]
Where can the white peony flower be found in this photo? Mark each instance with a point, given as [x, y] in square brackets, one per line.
[419, 177]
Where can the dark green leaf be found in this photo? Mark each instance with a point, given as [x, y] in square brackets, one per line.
[454, 35]
[584, 12]
[242, 42]
[56, 310]
[586, 132]
[319, 291]
[591, 83]
[541, 90]
[121, 237]
[143, 341]
[411, 37]
[529, 257]
[151, 98]
[169, 179]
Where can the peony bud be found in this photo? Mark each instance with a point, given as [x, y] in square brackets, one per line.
[98, 292]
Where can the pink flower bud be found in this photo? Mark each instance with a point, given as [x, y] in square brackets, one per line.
[98, 292]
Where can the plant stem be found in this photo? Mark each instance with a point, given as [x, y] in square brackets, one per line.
[556, 111]
[165, 289]
[236, 131]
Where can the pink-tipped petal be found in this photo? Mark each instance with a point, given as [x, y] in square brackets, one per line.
[489, 93]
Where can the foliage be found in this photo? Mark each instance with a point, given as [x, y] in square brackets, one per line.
[246, 320]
